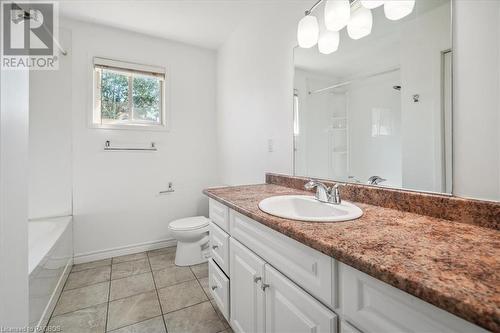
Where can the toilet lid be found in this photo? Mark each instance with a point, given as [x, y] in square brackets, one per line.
[189, 223]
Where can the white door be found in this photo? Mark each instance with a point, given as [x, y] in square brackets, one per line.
[290, 309]
[247, 297]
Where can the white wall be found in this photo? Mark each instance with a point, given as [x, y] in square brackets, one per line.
[50, 171]
[116, 201]
[476, 112]
[14, 115]
[254, 95]
[422, 41]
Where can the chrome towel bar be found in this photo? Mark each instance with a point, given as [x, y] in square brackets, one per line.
[107, 146]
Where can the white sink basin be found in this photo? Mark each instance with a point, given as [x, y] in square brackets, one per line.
[307, 208]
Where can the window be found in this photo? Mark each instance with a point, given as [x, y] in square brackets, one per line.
[128, 95]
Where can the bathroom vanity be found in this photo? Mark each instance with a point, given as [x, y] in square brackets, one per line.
[384, 272]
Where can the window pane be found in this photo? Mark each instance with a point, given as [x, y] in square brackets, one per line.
[146, 95]
[114, 97]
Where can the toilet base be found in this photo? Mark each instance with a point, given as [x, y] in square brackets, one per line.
[188, 254]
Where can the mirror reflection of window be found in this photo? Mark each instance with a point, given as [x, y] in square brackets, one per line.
[382, 122]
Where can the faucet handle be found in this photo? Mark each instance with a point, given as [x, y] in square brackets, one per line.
[335, 193]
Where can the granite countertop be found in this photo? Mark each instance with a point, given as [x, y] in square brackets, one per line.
[454, 266]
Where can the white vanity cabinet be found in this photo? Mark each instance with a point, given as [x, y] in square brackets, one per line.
[264, 300]
[266, 282]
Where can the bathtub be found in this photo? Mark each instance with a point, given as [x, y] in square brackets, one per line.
[50, 249]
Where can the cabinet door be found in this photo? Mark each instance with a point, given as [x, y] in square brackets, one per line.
[247, 297]
[291, 309]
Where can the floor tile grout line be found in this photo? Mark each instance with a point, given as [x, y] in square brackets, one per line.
[109, 296]
[139, 322]
[87, 269]
[175, 284]
[128, 261]
[208, 296]
[87, 307]
[140, 293]
[158, 297]
[187, 307]
[120, 262]
[163, 268]
[85, 286]
[134, 274]
[135, 295]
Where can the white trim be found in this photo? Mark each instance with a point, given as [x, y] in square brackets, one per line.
[47, 312]
[128, 65]
[122, 250]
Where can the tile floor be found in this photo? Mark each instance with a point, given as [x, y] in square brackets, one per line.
[138, 293]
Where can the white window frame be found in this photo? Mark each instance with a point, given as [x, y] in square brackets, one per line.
[128, 67]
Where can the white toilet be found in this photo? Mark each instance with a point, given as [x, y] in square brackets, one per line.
[191, 234]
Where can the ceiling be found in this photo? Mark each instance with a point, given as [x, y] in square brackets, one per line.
[205, 23]
[379, 51]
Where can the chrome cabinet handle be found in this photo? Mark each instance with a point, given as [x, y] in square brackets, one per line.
[215, 247]
[214, 287]
[257, 279]
[264, 286]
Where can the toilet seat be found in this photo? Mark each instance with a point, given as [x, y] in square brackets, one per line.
[189, 223]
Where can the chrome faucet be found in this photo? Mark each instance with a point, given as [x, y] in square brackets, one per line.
[375, 180]
[325, 193]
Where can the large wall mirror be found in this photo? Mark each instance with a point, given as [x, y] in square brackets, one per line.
[378, 110]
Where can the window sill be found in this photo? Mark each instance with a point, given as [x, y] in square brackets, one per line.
[135, 127]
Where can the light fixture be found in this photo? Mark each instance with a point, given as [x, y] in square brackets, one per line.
[397, 9]
[360, 24]
[308, 31]
[371, 4]
[328, 42]
[337, 13]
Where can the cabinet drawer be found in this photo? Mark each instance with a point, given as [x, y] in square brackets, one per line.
[310, 269]
[376, 307]
[219, 287]
[219, 214]
[219, 244]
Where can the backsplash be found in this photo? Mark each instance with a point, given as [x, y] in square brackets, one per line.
[471, 211]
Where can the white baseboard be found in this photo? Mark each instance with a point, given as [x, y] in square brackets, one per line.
[80, 258]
